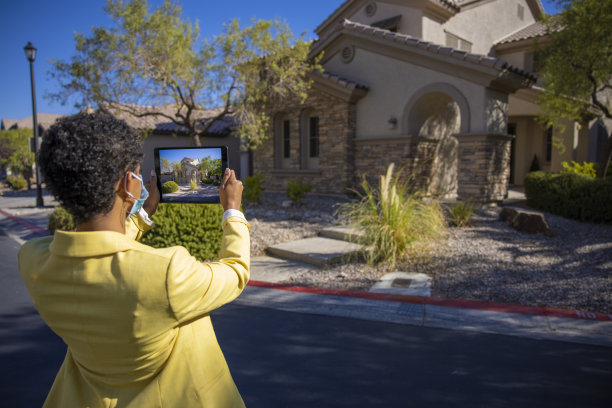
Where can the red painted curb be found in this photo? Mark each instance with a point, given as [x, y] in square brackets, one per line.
[27, 224]
[454, 303]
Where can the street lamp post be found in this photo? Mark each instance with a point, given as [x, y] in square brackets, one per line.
[30, 52]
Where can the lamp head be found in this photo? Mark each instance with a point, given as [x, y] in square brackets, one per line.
[30, 52]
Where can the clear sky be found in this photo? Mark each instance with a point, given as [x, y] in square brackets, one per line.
[180, 154]
[50, 26]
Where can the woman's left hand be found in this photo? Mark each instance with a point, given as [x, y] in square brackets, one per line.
[150, 206]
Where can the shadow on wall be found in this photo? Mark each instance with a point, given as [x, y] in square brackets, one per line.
[436, 116]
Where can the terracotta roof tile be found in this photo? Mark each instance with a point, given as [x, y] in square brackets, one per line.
[537, 29]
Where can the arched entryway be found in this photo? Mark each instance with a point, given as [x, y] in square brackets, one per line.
[438, 112]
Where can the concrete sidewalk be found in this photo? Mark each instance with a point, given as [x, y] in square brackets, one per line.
[23, 223]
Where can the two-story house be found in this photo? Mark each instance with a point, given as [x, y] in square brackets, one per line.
[443, 88]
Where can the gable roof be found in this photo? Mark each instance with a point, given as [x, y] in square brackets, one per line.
[535, 30]
[451, 5]
[410, 43]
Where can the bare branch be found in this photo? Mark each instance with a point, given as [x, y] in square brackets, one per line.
[594, 97]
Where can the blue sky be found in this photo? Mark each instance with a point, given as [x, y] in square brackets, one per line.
[50, 26]
[180, 154]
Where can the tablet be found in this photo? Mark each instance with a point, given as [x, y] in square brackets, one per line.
[190, 174]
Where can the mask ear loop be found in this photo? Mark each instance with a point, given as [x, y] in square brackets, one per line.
[125, 183]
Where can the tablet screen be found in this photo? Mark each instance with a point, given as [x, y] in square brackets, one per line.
[190, 174]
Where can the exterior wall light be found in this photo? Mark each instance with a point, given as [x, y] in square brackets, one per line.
[392, 122]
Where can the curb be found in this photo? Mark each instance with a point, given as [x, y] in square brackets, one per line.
[494, 318]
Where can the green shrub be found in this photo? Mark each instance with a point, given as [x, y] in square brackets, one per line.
[459, 214]
[193, 186]
[253, 188]
[169, 187]
[60, 219]
[297, 189]
[570, 195]
[586, 169]
[17, 183]
[197, 227]
[398, 225]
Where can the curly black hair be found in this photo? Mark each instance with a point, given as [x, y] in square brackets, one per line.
[81, 159]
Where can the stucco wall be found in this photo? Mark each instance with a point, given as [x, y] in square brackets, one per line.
[392, 83]
[488, 23]
[410, 23]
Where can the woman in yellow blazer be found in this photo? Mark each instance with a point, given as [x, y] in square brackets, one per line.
[135, 318]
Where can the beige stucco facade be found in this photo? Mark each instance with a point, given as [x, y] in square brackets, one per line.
[447, 92]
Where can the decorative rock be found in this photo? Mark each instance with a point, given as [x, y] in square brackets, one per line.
[508, 214]
[286, 204]
[530, 222]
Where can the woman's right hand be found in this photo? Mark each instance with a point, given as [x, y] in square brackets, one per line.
[230, 191]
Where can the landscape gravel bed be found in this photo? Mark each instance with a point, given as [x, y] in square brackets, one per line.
[487, 261]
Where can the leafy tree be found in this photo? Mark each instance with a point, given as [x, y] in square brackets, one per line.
[15, 152]
[177, 168]
[156, 59]
[577, 66]
[164, 163]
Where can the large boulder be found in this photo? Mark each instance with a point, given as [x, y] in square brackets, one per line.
[530, 222]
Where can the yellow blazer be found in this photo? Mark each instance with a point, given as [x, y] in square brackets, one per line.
[135, 318]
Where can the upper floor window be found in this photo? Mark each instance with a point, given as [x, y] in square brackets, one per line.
[390, 24]
[521, 12]
[458, 43]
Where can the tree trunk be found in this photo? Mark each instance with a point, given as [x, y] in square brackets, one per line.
[606, 158]
[195, 138]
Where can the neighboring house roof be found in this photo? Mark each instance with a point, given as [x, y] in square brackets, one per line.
[44, 120]
[404, 40]
[535, 30]
[161, 124]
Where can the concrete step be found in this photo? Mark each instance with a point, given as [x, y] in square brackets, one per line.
[318, 251]
[344, 233]
[268, 269]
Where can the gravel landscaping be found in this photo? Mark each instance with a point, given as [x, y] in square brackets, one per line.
[488, 261]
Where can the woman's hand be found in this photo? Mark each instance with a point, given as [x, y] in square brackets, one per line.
[150, 206]
[230, 191]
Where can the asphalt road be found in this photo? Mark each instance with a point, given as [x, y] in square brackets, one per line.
[281, 359]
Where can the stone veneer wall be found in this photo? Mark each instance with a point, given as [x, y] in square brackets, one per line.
[413, 156]
[336, 132]
[484, 167]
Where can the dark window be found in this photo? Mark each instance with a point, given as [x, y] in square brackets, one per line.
[388, 24]
[549, 140]
[286, 139]
[314, 136]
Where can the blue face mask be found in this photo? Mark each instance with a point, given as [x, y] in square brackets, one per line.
[144, 194]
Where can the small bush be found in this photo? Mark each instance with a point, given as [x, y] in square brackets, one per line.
[17, 183]
[60, 220]
[197, 227]
[297, 189]
[193, 186]
[398, 225]
[169, 187]
[459, 214]
[586, 169]
[570, 195]
[253, 188]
